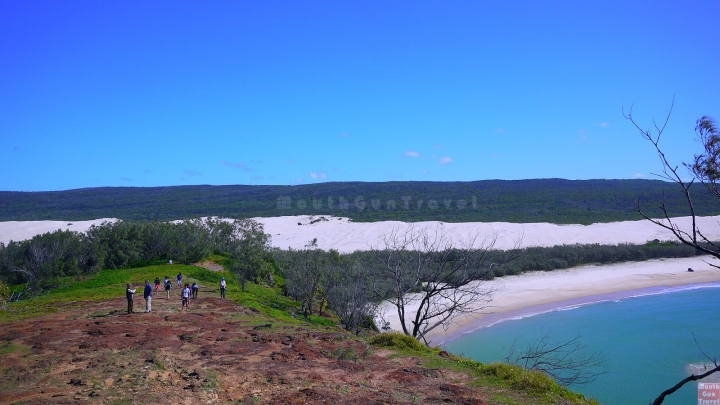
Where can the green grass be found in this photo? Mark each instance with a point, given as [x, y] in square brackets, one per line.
[506, 384]
[11, 347]
[109, 284]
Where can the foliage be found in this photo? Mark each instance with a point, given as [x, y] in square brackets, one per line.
[522, 201]
[398, 340]
[4, 295]
[249, 251]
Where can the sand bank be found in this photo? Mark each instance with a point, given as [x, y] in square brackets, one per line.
[22, 230]
[537, 292]
[345, 236]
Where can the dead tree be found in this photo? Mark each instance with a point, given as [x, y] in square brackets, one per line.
[568, 362]
[430, 280]
[705, 169]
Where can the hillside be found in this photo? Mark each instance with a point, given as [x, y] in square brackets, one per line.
[521, 201]
[78, 345]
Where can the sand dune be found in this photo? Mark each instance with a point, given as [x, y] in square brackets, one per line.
[22, 230]
[346, 236]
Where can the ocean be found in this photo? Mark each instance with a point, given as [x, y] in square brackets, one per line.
[646, 336]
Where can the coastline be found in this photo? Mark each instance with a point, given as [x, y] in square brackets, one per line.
[538, 292]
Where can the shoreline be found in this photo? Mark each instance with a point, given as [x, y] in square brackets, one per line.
[493, 319]
[538, 292]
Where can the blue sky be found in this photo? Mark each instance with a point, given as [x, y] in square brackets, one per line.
[160, 93]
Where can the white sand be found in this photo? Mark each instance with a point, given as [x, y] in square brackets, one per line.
[346, 236]
[22, 230]
[514, 292]
[540, 291]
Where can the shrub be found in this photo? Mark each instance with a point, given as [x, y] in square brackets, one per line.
[397, 340]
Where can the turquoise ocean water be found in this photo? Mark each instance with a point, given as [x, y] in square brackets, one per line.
[645, 334]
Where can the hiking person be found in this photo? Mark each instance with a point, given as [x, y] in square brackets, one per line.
[148, 294]
[166, 280]
[195, 288]
[157, 284]
[130, 295]
[185, 298]
[168, 287]
[223, 286]
[179, 278]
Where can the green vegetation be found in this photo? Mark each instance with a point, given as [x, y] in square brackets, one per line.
[540, 200]
[504, 383]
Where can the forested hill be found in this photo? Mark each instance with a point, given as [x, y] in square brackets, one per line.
[540, 200]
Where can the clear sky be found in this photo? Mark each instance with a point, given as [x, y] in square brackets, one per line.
[154, 93]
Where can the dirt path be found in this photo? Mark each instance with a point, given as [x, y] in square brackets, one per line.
[218, 352]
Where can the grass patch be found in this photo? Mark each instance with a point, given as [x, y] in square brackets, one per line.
[399, 341]
[345, 354]
[11, 347]
[511, 384]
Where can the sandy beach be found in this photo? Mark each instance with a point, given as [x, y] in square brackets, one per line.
[515, 295]
[537, 292]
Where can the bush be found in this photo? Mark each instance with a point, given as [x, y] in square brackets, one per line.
[519, 378]
[397, 340]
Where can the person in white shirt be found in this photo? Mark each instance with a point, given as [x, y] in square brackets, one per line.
[223, 286]
[130, 294]
[185, 298]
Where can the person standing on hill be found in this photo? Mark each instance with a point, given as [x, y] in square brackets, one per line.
[166, 280]
[223, 286]
[157, 284]
[179, 278]
[185, 298]
[195, 288]
[130, 294]
[148, 294]
[168, 287]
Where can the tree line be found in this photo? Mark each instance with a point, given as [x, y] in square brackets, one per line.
[539, 200]
[37, 265]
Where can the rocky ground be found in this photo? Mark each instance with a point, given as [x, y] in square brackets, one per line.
[218, 352]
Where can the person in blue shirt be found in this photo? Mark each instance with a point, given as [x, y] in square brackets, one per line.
[179, 278]
[148, 294]
[195, 288]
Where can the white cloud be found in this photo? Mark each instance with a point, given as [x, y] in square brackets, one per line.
[499, 130]
[445, 160]
[192, 173]
[438, 146]
[412, 154]
[424, 171]
[639, 176]
[320, 174]
[604, 124]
